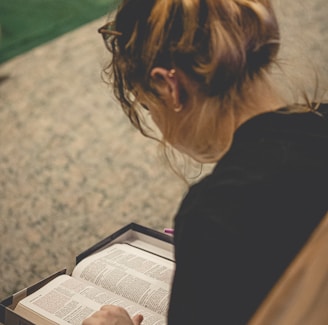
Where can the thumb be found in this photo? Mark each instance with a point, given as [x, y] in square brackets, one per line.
[137, 319]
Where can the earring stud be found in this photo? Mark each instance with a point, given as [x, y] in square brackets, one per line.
[178, 108]
[171, 73]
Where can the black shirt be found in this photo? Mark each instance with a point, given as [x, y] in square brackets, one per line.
[238, 229]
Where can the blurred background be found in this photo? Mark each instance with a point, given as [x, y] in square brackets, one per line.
[72, 169]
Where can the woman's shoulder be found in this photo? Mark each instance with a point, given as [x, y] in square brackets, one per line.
[292, 118]
[323, 110]
[272, 152]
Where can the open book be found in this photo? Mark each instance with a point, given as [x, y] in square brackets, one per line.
[122, 274]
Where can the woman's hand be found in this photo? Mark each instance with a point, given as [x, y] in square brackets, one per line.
[112, 315]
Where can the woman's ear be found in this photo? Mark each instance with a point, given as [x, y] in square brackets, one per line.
[167, 86]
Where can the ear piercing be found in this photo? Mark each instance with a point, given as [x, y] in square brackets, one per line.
[178, 108]
[171, 73]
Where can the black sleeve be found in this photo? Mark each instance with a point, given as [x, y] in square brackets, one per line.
[234, 238]
[221, 274]
[238, 229]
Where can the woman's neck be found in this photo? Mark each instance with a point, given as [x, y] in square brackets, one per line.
[259, 97]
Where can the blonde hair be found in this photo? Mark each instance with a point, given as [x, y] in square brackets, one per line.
[219, 44]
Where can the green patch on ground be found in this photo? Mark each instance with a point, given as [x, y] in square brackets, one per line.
[25, 24]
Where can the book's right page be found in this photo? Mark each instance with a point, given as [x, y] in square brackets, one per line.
[130, 272]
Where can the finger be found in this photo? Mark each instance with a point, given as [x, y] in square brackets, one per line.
[137, 319]
[93, 319]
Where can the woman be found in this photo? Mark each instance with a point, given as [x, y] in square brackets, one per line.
[201, 68]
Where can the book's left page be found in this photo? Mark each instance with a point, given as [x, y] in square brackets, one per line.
[68, 301]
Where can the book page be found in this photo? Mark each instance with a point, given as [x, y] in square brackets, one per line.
[68, 301]
[130, 272]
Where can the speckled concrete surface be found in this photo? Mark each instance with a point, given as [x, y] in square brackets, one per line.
[72, 169]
